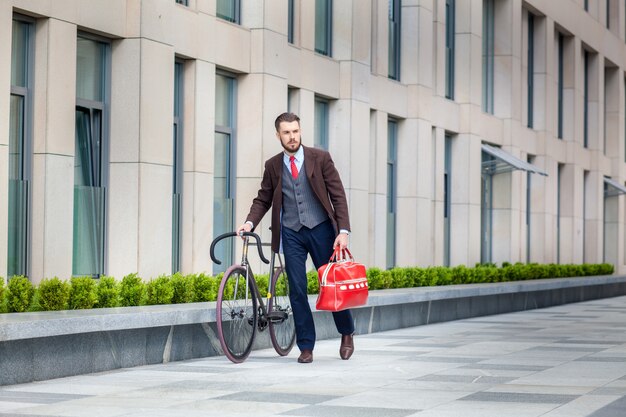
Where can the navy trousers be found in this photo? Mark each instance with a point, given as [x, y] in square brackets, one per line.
[317, 242]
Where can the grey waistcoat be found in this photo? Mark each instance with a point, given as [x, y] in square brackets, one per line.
[300, 205]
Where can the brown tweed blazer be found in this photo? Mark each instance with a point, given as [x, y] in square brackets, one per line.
[324, 180]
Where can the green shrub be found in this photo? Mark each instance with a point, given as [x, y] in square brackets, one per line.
[374, 279]
[108, 292]
[182, 287]
[159, 290]
[20, 293]
[132, 290]
[312, 282]
[414, 276]
[205, 287]
[3, 304]
[400, 278]
[262, 281]
[53, 294]
[82, 293]
[606, 269]
[2, 290]
[460, 275]
[443, 275]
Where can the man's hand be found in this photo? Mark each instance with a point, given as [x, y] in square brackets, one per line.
[341, 241]
[244, 228]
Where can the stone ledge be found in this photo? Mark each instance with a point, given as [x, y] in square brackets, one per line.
[45, 345]
[67, 322]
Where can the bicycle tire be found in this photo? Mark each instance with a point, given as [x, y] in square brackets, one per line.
[282, 333]
[236, 314]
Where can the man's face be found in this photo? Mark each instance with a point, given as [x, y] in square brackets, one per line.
[289, 136]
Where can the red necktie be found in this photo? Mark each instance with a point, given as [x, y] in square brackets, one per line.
[294, 168]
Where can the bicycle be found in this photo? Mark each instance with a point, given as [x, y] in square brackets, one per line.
[241, 311]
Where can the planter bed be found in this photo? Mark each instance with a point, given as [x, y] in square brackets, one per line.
[46, 345]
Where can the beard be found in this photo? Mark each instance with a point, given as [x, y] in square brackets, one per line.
[288, 147]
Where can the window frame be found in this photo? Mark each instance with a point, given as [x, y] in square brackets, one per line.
[395, 30]
[236, 9]
[25, 168]
[393, 124]
[488, 53]
[447, 197]
[450, 47]
[531, 72]
[104, 168]
[290, 21]
[231, 131]
[322, 136]
[178, 163]
[560, 83]
[328, 33]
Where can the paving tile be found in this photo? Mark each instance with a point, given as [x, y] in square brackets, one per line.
[465, 379]
[277, 397]
[618, 360]
[519, 397]
[339, 411]
[568, 361]
[505, 367]
[37, 397]
[445, 359]
[616, 408]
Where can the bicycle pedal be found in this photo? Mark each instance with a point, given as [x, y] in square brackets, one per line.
[277, 316]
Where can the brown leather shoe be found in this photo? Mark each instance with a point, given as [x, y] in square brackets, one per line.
[347, 346]
[306, 356]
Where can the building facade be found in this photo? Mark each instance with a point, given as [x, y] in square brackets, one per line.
[132, 132]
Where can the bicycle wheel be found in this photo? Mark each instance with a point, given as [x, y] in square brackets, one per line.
[236, 314]
[281, 323]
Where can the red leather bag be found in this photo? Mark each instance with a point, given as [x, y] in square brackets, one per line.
[343, 283]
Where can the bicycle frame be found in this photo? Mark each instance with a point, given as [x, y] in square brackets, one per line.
[241, 311]
[253, 286]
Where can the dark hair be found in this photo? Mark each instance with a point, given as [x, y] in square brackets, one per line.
[286, 117]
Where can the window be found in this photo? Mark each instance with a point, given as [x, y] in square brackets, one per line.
[229, 10]
[447, 188]
[560, 84]
[394, 39]
[90, 161]
[321, 123]
[392, 158]
[530, 160]
[183, 2]
[488, 54]
[531, 69]
[559, 189]
[586, 5]
[290, 17]
[293, 100]
[450, 33]
[224, 177]
[20, 122]
[323, 26]
[586, 69]
[486, 206]
[177, 165]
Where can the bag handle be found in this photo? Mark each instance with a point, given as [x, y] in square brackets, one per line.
[340, 255]
[337, 256]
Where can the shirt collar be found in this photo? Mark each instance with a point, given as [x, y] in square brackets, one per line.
[299, 155]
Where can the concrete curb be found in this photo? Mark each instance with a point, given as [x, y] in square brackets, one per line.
[45, 345]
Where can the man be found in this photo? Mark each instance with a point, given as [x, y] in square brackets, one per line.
[309, 208]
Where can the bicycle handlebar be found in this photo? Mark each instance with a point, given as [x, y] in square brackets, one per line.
[234, 234]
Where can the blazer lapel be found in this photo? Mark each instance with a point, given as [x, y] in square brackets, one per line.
[309, 164]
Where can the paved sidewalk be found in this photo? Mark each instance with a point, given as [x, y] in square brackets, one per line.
[565, 361]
